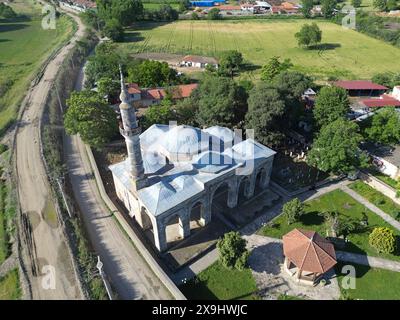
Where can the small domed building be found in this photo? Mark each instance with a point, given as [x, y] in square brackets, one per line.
[173, 173]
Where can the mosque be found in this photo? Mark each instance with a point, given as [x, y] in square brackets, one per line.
[173, 173]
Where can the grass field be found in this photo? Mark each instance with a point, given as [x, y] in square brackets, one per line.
[372, 283]
[347, 53]
[155, 6]
[218, 282]
[9, 286]
[24, 46]
[378, 199]
[346, 206]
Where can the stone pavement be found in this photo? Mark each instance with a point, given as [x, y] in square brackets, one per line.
[368, 261]
[370, 206]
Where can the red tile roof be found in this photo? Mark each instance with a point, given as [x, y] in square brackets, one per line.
[228, 8]
[178, 92]
[359, 85]
[133, 88]
[309, 251]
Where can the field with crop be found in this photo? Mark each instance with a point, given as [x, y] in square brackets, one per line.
[343, 53]
[24, 46]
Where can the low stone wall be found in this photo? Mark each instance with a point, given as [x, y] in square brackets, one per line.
[165, 279]
[380, 186]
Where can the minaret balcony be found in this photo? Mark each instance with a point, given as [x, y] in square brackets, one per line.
[130, 132]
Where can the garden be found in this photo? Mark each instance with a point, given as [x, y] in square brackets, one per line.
[336, 209]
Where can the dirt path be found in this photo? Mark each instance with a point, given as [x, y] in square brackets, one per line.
[44, 243]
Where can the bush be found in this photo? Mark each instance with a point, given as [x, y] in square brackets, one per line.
[214, 14]
[383, 240]
[293, 210]
[232, 250]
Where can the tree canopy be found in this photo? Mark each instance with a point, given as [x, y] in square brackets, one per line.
[230, 62]
[293, 210]
[124, 11]
[306, 8]
[90, 116]
[214, 14]
[113, 30]
[328, 8]
[331, 103]
[384, 127]
[219, 101]
[232, 250]
[158, 114]
[266, 109]
[151, 73]
[274, 67]
[336, 148]
[6, 11]
[309, 35]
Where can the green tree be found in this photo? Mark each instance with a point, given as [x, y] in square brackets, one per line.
[384, 79]
[219, 101]
[7, 12]
[91, 117]
[384, 127]
[336, 148]
[331, 103]
[195, 16]
[151, 73]
[266, 109]
[232, 250]
[123, 11]
[392, 5]
[214, 14]
[356, 3]
[309, 35]
[328, 8]
[307, 6]
[274, 67]
[185, 111]
[108, 87]
[291, 86]
[113, 30]
[293, 210]
[158, 114]
[381, 5]
[383, 240]
[230, 62]
[184, 5]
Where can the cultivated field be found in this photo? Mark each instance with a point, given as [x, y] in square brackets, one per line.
[24, 46]
[345, 54]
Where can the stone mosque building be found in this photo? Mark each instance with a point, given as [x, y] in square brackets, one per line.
[173, 173]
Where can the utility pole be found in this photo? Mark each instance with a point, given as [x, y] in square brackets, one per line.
[99, 266]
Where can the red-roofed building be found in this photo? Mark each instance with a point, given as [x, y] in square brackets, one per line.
[147, 97]
[385, 100]
[356, 88]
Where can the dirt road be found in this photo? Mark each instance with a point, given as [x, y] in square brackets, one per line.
[130, 275]
[45, 250]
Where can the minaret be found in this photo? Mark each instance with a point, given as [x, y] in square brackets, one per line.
[130, 131]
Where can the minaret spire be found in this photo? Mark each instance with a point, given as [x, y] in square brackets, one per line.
[130, 131]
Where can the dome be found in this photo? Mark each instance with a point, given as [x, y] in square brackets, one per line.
[186, 140]
[224, 134]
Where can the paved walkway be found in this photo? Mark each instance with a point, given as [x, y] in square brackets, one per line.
[370, 206]
[368, 261]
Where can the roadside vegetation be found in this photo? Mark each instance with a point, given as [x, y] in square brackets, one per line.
[10, 287]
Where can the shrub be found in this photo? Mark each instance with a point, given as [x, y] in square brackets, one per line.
[293, 210]
[383, 240]
[232, 250]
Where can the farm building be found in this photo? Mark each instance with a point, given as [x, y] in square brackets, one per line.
[234, 10]
[150, 96]
[198, 61]
[386, 159]
[173, 175]
[385, 100]
[360, 88]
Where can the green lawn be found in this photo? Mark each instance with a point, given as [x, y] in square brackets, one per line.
[24, 46]
[218, 282]
[347, 53]
[386, 179]
[378, 199]
[9, 286]
[372, 283]
[346, 206]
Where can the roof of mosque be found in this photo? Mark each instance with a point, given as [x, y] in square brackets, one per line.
[172, 180]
